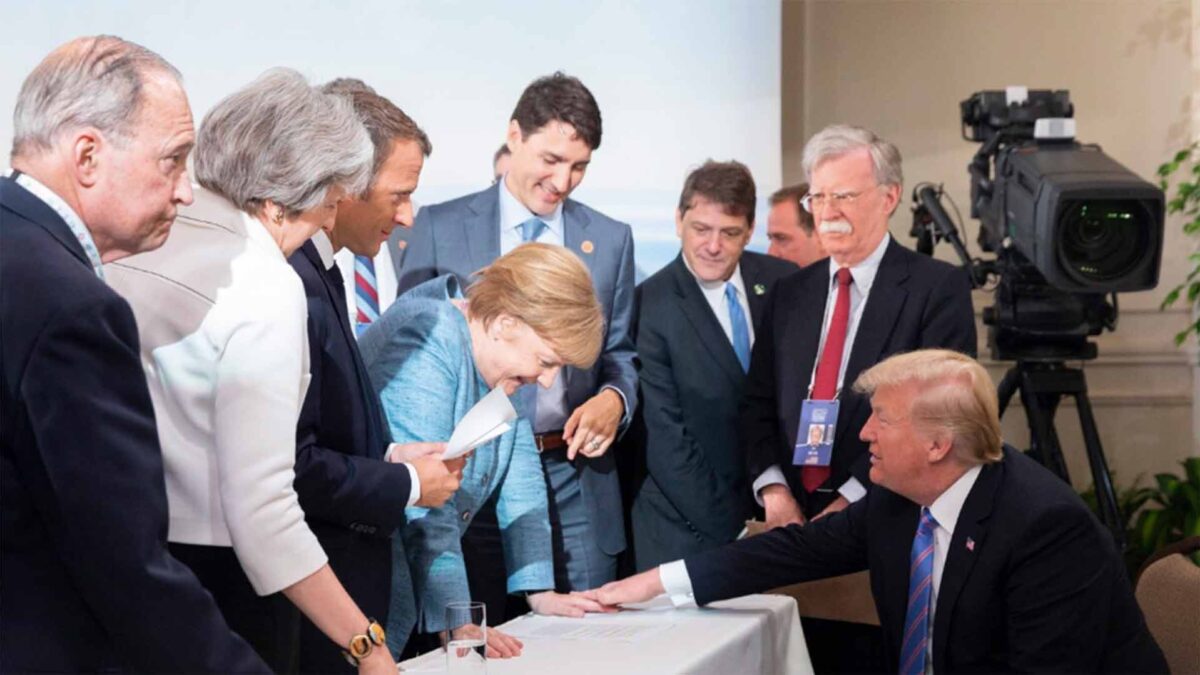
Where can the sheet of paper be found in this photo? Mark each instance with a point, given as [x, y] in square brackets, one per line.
[490, 417]
[607, 628]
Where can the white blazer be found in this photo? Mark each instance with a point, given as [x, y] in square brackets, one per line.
[222, 321]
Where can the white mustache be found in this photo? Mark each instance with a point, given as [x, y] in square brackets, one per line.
[835, 227]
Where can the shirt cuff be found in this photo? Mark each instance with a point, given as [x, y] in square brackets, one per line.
[415, 493]
[772, 476]
[852, 490]
[677, 583]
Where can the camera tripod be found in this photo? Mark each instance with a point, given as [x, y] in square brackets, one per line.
[1042, 385]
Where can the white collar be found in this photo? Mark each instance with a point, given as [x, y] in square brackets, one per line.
[324, 248]
[513, 212]
[947, 507]
[865, 271]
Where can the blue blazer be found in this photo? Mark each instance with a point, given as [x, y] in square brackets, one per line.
[463, 235]
[352, 499]
[420, 361]
[87, 581]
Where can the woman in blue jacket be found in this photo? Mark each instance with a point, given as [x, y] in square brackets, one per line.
[431, 357]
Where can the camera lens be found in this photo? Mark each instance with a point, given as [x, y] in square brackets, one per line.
[1103, 240]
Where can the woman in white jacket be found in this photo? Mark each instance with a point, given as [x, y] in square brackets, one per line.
[222, 321]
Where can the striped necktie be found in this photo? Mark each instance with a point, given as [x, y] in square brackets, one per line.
[366, 293]
[920, 590]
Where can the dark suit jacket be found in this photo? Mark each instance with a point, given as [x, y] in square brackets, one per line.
[352, 499]
[87, 581]
[915, 302]
[463, 235]
[695, 495]
[1032, 581]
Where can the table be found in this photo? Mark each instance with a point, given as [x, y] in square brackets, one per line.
[752, 634]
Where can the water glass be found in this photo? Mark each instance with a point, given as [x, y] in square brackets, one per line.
[465, 639]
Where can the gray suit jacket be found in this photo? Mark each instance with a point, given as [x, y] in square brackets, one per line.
[463, 235]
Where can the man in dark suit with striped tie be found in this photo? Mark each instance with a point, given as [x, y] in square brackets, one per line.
[352, 484]
[980, 559]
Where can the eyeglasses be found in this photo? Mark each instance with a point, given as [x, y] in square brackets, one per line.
[811, 202]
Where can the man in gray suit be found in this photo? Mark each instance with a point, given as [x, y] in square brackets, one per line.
[553, 131]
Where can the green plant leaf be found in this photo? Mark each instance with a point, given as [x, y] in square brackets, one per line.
[1191, 227]
[1182, 155]
[1193, 290]
[1168, 483]
[1172, 296]
[1191, 469]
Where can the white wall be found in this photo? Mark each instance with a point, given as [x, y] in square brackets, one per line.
[677, 81]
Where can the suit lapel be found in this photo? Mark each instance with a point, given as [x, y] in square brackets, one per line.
[700, 315]
[575, 224]
[896, 533]
[965, 546]
[28, 205]
[481, 230]
[801, 338]
[751, 278]
[376, 432]
[884, 305]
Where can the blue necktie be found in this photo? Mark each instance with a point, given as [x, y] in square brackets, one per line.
[366, 293]
[532, 229]
[737, 322]
[526, 403]
[920, 589]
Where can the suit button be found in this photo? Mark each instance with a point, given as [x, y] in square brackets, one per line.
[466, 515]
[485, 478]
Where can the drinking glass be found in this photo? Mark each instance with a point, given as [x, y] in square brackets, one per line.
[465, 638]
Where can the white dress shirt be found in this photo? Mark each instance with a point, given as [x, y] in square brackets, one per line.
[714, 293]
[324, 247]
[222, 321]
[860, 288]
[945, 510]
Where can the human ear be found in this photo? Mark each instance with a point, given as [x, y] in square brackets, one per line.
[85, 150]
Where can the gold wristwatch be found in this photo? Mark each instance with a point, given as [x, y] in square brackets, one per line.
[360, 645]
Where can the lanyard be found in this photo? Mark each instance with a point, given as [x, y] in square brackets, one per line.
[67, 214]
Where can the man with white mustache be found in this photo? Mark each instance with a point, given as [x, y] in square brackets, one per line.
[823, 332]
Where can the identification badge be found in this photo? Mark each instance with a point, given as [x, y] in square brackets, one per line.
[814, 438]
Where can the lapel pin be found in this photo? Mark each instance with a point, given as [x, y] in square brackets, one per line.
[970, 544]
[759, 289]
[587, 246]
[402, 244]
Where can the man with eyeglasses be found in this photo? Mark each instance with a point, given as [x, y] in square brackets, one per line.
[872, 298]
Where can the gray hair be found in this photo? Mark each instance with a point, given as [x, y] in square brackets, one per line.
[282, 140]
[93, 82]
[839, 139]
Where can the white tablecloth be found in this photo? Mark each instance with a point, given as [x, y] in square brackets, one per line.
[754, 634]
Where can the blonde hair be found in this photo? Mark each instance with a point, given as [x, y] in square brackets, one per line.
[548, 288]
[955, 394]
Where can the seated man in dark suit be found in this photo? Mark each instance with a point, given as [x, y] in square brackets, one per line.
[353, 498]
[697, 318]
[980, 559]
[100, 143]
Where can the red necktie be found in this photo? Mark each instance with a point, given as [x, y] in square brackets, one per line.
[825, 382]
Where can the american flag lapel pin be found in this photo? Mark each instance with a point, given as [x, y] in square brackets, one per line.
[970, 544]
